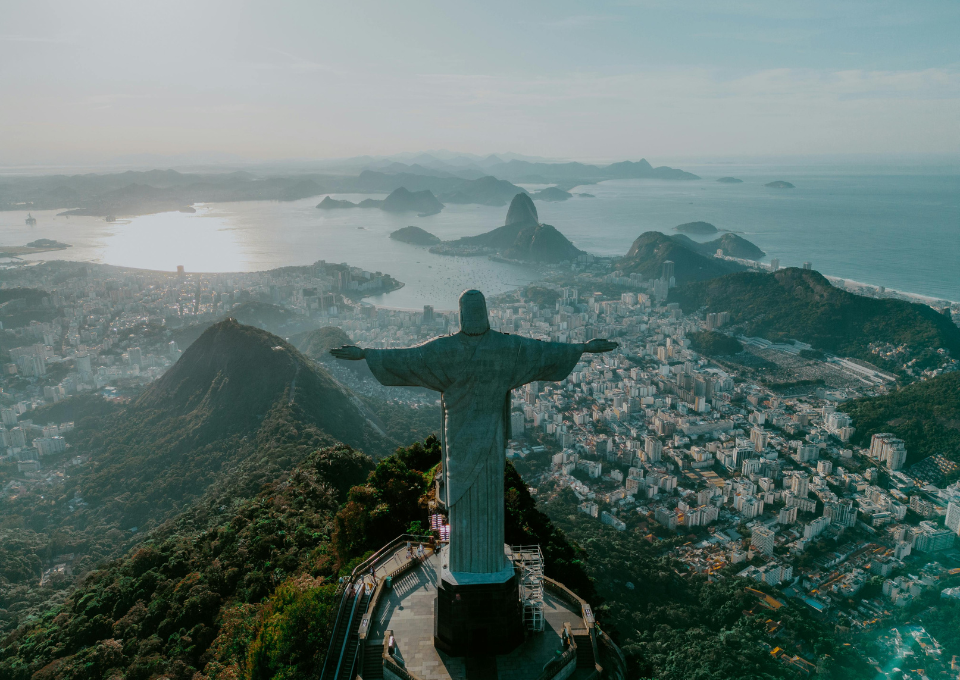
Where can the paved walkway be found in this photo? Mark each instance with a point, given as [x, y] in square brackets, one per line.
[407, 610]
[389, 564]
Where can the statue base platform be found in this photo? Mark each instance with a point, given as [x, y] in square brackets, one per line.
[399, 632]
[478, 616]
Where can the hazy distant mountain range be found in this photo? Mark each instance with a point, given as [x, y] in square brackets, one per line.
[460, 179]
[568, 175]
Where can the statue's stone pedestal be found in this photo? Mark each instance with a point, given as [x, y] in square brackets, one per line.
[478, 616]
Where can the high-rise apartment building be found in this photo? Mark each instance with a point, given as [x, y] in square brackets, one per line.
[762, 540]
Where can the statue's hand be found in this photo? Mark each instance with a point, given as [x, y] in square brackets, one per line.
[598, 346]
[349, 352]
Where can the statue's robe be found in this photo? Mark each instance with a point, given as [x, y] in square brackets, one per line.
[475, 375]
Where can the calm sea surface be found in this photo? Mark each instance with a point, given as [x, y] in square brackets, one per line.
[901, 231]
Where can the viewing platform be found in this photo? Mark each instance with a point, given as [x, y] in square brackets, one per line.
[391, 634]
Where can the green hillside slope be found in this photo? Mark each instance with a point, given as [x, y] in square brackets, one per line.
[244, 590]
[651, 249]
[925, 415]
[201, 418]
[803, 305]
[239, 407]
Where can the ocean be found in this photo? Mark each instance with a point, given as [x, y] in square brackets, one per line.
[901, 231]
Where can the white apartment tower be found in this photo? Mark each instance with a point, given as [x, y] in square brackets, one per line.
[762, 540]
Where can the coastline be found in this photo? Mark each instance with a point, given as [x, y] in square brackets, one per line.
[887, 292]
[850, 285]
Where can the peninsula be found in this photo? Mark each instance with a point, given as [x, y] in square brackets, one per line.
[332, 204]
[400, 200]
[522, 238]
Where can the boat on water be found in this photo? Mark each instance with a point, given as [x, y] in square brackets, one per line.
[31, 220]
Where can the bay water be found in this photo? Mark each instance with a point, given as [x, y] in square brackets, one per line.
[897, 230]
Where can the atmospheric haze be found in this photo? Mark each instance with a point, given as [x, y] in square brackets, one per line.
[90, 82]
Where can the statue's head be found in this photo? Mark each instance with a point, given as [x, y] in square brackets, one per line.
[473, 313]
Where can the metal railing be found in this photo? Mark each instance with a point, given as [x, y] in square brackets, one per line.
[336, 627]
[346, 637]
[341, 593]
[569, 656]
[391, 663]
[528, 559]
[586, 613]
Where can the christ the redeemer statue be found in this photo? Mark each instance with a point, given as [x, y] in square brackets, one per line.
[474, 370]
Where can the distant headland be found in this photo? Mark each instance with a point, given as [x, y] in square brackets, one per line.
[522, 238]
[400, 200]
[779, 184]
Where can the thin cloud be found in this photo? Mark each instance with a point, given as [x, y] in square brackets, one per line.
[32, 39]
[297, 63]
[579, 21]
[109, 100]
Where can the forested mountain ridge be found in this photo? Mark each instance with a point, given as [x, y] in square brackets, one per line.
[195, 592]
[926, 415]
[201, 418]
[730, 244]
[239, 407]
[243, 587]
[651, 249]
[803, 305]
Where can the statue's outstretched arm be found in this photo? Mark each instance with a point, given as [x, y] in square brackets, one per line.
[599, 346]
[349, 352]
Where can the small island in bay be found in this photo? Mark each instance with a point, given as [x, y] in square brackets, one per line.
[47, 243]
[332, 204]
[586, 195]
[187, 209]
[415, 236]
[779, 184]
[41, 245]
[696, 228]
[730, 180]
[551, 194]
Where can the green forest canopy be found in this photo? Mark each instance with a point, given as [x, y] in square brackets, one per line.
[925, 415]
[801, 304]
[714, 344]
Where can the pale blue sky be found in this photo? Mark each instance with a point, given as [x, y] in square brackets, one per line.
[89, 80]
